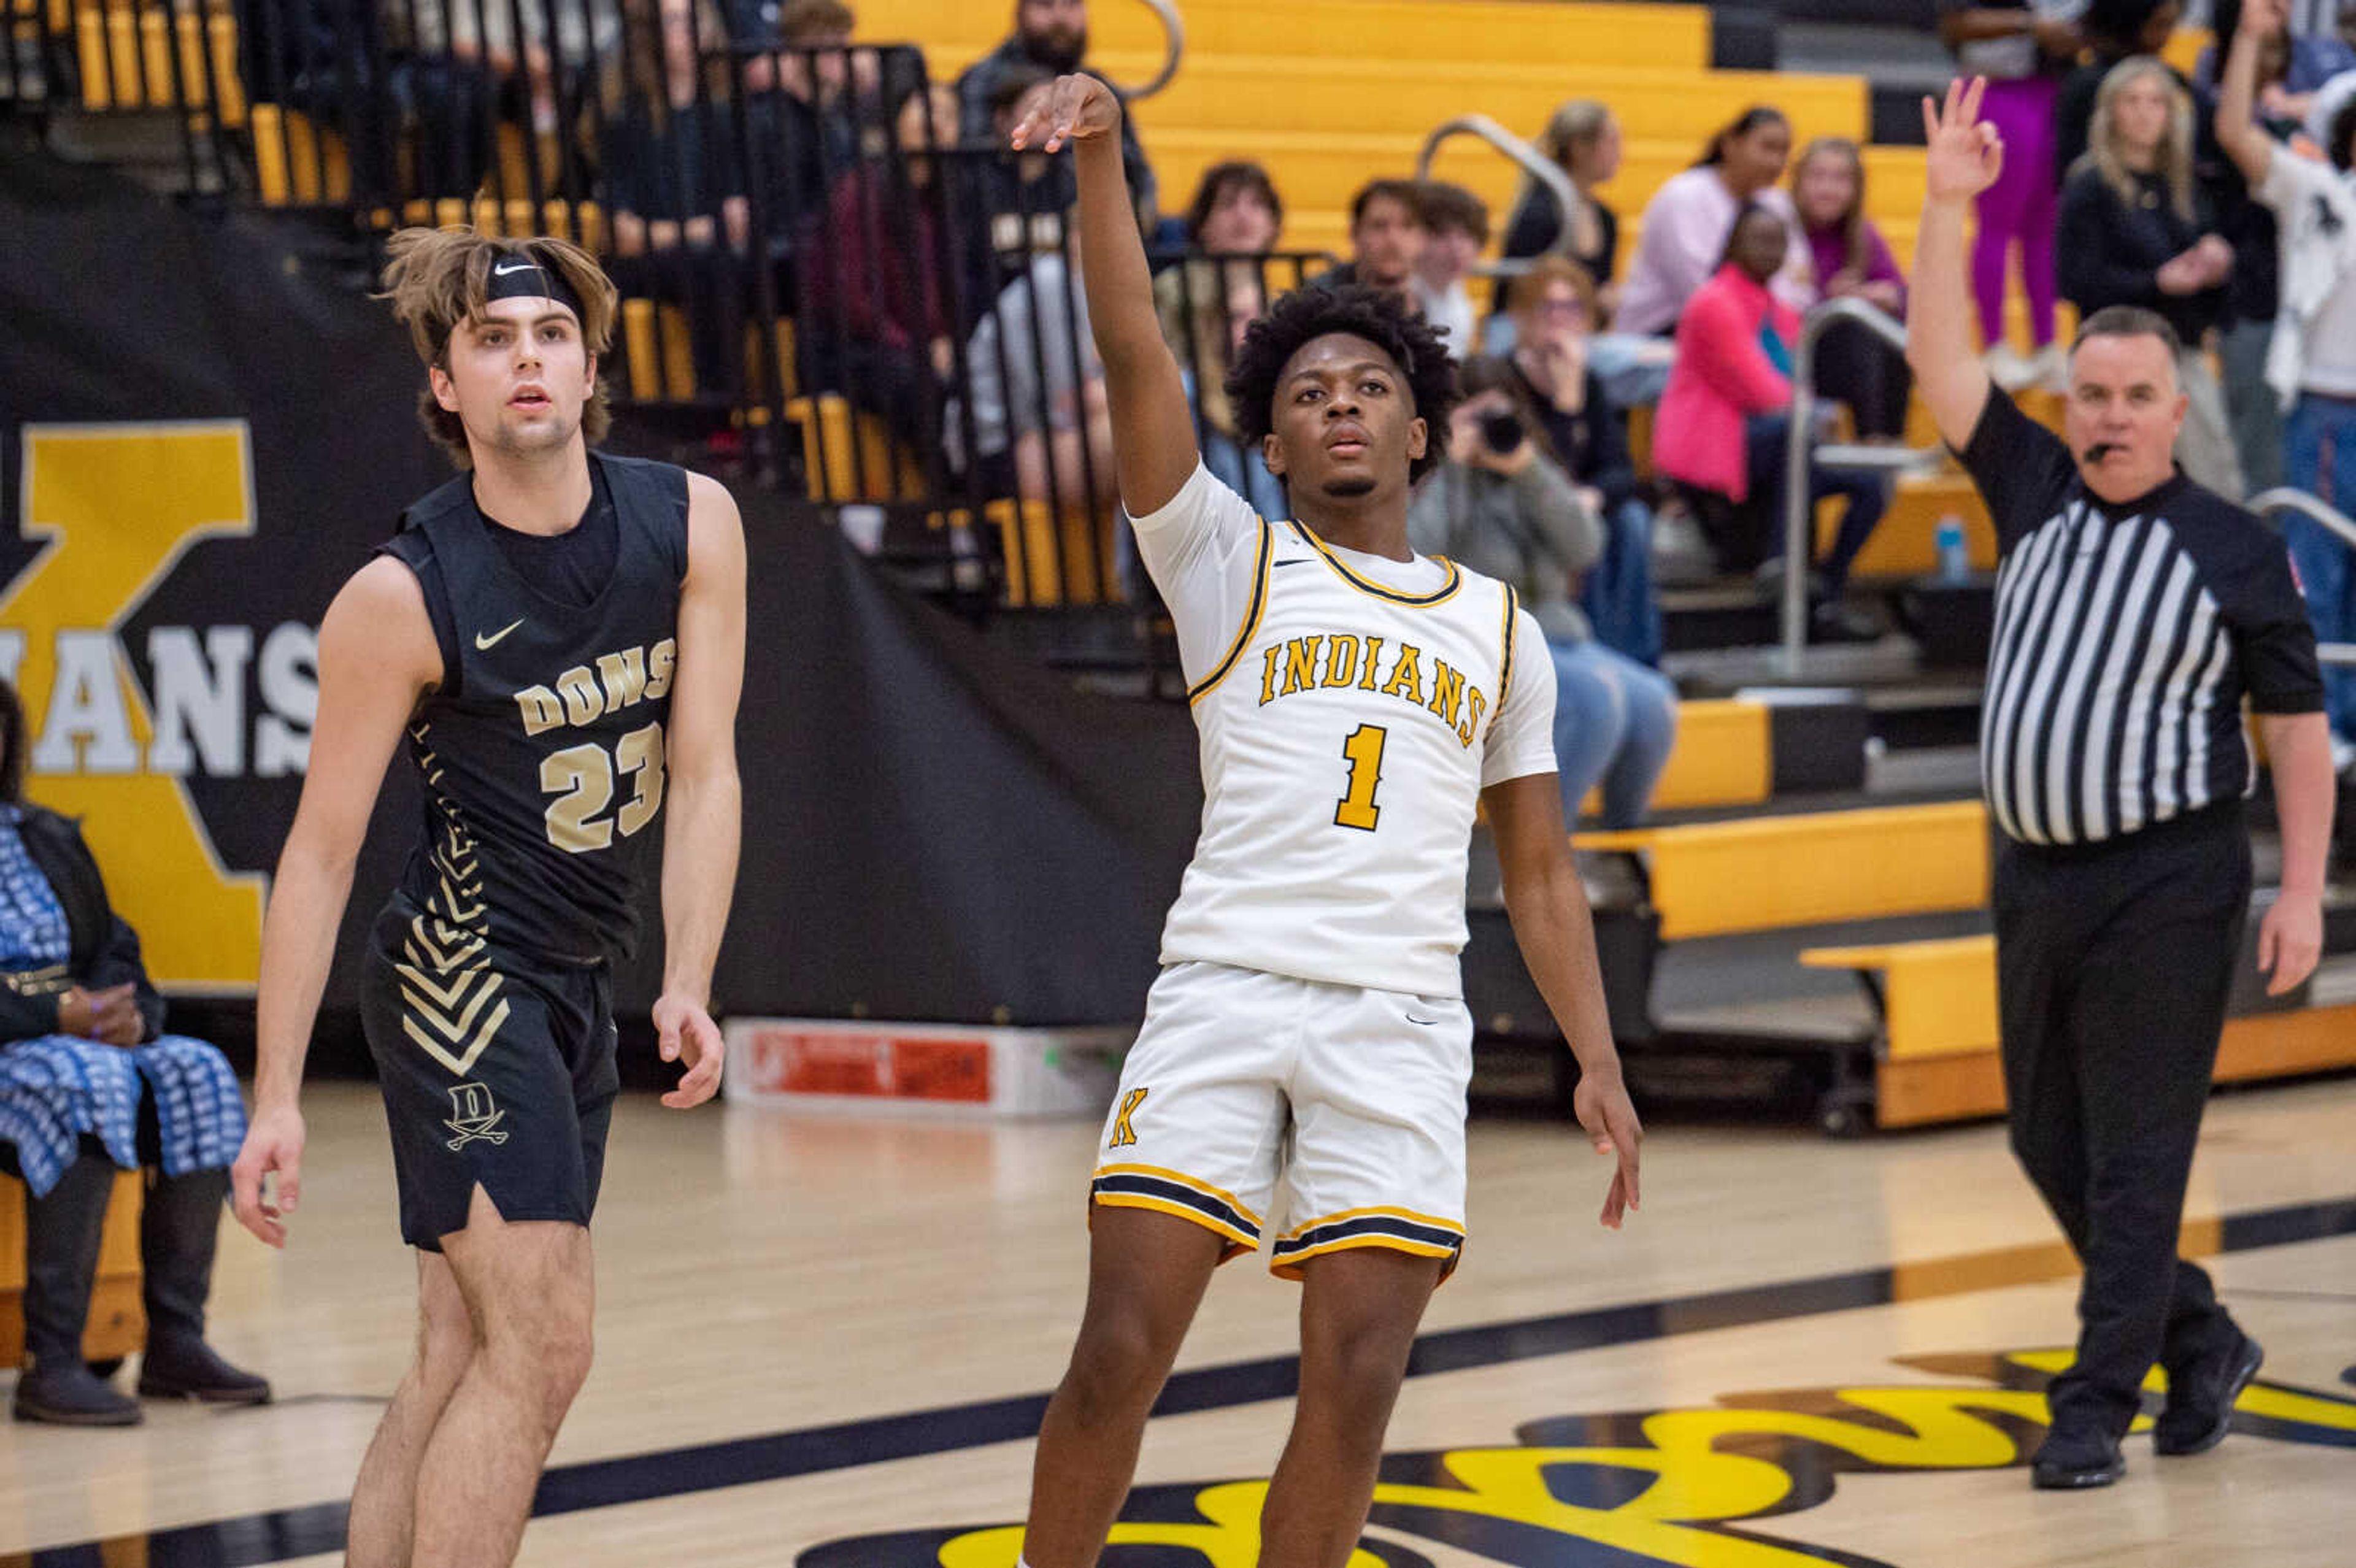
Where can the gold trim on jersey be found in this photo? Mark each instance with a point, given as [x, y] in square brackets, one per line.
[450, 997]
[1439, 595]
[1164, 1174]
[1238, 1242]
[1183, 1197]
[1505, 660]
[1261, 573]
[1394, 1229]
[1373, 1211]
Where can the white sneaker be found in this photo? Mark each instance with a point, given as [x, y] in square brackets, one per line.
[2008, 367]
[2051, 366]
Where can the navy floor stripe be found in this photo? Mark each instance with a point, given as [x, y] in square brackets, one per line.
[275, 1537]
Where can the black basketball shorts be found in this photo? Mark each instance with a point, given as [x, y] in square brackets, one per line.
[497, 1071]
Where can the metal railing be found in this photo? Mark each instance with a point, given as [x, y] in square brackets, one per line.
[1174, 34]
[2283, 498]
[862, 301]
[1533, 163]
[1802, 453]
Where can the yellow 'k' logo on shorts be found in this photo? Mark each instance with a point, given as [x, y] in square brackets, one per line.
[1123, 1134]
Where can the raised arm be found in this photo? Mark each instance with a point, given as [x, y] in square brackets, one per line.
[2252, 150]
[705, 816]
[1152, 429]
[376, 656]
[1964, 158]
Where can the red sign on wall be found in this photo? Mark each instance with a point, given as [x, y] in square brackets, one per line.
[877, 1066]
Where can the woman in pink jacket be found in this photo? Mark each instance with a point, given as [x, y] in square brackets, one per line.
[1726, 418]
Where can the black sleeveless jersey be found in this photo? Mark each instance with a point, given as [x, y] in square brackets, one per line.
[541, 752]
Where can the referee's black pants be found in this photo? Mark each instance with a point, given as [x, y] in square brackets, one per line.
[2114, 961]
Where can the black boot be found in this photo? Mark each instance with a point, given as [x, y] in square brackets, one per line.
[177, 1229]
[62, 1228]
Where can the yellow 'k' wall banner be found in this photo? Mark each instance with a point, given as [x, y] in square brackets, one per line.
[110, 510]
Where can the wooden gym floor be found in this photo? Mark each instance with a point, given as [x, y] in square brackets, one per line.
[824, 1343]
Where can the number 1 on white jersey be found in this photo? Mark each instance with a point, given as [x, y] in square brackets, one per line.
[1364, 751]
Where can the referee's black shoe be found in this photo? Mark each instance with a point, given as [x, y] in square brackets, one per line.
[2076, 1456]
[2200, 1409]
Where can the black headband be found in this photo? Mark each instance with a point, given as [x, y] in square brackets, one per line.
[521, 277]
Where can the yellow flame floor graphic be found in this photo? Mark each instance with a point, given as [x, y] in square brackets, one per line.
[1667, 1488]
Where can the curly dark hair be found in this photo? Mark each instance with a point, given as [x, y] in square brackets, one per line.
[1306, 315]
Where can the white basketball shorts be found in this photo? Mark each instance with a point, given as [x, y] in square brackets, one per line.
[1250, 1094]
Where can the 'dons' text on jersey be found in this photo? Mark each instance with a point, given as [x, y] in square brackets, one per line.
[1343, 744]
[541, 753]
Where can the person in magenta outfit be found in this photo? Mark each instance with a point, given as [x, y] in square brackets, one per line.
[2023, 48]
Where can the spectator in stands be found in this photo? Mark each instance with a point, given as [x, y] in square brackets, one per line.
[1387, 237]
[2133, 231]
[90, 1083]
[1583, 139]
[1205, 303]
[1725, 421]
[1554, 309]
[1050, 39]
[805, 109]
[1456, 231]
[558, 40]
[681, 220]
[2115, 31]
[1019, 203]
[2313, 367]
[2254, 294]
[1687, 221]
[1851, 260]
[877, 317]
[1499, 505]
[1039, 406]
[2120, 30]
[2293, 66]
[2023, 50]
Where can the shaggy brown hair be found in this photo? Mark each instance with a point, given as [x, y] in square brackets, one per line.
[437, 278]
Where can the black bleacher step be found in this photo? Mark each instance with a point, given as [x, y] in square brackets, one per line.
[1931, 711]
[1730, 612]
[1096, 637]
[1808, 803]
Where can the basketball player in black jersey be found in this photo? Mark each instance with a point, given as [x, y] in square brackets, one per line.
[558, 636]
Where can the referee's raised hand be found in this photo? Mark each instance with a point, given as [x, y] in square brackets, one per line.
[1966, 154]
[1077, 108]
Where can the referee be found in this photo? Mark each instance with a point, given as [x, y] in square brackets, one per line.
[2134, 613]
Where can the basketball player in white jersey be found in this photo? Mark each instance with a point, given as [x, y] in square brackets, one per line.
[1301, 1076]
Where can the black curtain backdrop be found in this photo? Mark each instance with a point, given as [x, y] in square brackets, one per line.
[934, 828]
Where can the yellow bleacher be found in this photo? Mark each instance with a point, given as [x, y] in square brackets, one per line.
[956, 32]
[1715, 879]
[1937, 1060]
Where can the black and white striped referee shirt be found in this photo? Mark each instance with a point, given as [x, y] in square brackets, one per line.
[2126, 636]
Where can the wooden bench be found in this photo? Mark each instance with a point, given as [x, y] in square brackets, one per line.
[118, 1324]
[1937, 1058]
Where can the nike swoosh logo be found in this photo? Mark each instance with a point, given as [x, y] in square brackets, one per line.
[485, 645]
[507, 269]
[1296, 560]
[1413, 1019]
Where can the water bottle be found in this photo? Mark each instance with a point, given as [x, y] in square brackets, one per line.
[1954, 553]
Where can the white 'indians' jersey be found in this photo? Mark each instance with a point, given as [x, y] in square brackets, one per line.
[1351, 710]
